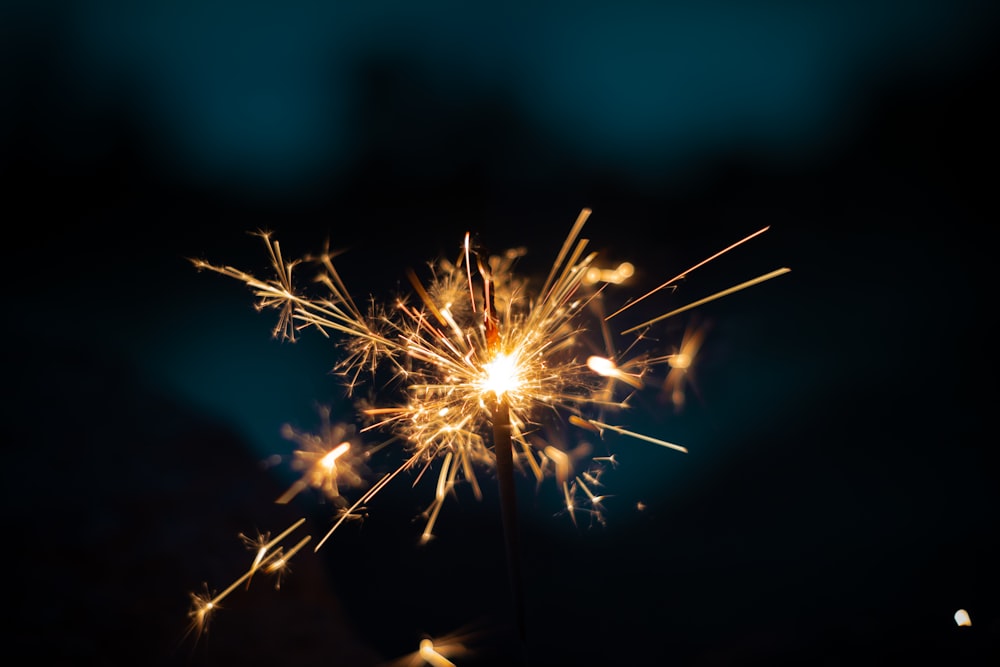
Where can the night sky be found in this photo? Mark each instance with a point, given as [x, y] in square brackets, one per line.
[839, 500]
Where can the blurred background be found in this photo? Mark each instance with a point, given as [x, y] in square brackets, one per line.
[839, 500]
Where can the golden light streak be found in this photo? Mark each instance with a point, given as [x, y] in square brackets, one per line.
[583, 423]
[267, 558]
[442, 487]
[638, 436]
[468, 271]
[331, 278]
[607, 368]
[569, 502]
[281, 562]
[573, 233]
[433, 658]
[680, 364]
[425, 297]
[615, 276]
[564, 468]
[345, 514]
[440, 651]
[713, 297]
[684, 274]
[594, 500]
[269, 543]
[328, 462]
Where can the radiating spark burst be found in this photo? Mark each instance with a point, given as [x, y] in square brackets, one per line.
[329, 460]
[477, 352]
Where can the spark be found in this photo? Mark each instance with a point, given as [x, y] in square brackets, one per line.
[441, 651]
[432, 656]
[718, 295]
[278, 293]
[607, 368]
[470, 372]
[328, 460]
[638, 436]
[681, 363]
[684, 274]
[269, 557]
[615, 276]
[595, 500]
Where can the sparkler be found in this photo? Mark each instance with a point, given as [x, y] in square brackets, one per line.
[477, 359]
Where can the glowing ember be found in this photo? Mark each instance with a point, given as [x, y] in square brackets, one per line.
[502, 375]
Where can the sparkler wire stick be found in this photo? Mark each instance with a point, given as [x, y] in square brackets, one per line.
[503, 451]
[508, 507]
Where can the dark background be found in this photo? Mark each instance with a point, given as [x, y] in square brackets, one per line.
[839, 500]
